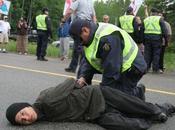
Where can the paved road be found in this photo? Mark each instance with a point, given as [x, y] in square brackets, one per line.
[23, 77]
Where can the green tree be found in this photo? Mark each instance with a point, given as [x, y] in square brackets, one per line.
[31, 8]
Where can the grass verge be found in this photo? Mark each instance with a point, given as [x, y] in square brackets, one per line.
[53, 51]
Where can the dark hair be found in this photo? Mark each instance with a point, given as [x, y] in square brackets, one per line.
[155, 10]
[45, 9]
[129, 10]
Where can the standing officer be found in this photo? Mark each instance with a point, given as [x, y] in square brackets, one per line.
[154, 32]
[81, 9]
[43, 24]
[112, 52]
[129, 23]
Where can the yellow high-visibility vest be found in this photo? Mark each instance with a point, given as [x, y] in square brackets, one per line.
[126, 22]
[40, 21]
[152, 25]
[129, 52]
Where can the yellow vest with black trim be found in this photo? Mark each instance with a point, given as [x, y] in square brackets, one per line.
[129, 52]
[126, 23]
[41, 22]
[152, 25]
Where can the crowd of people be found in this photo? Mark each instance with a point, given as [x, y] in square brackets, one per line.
[152, 35]
[122, 54]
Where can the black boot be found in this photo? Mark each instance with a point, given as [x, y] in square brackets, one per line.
[142, 90]
[43, 59]
[69, 70]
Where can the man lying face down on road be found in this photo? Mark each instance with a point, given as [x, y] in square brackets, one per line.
[108, 107]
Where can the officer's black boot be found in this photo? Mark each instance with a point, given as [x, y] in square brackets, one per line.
[69, 70]
[38, 58]
[142, 90]
[43, 59]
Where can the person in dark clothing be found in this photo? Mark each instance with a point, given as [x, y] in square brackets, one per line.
[43, 24]
[111, 52]
[129, 23]
[76, 57]
[154, 32]
[108, 107]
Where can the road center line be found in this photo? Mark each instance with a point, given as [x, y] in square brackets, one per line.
[68, 76]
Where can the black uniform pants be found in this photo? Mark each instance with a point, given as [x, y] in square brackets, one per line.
[42, 42]
[125, 112]
[152, 54]
[161, 60]
[77, 52]
[128, 81]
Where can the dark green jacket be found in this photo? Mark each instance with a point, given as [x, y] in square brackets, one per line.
[65, 102]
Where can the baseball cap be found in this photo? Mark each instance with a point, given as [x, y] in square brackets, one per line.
[45, 9]
[75, 28]
[129, 9]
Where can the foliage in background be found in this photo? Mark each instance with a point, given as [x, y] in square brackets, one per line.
[113, 8]
[116, 8]
[31, 8]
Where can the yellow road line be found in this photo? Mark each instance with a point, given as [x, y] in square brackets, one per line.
[63, 75]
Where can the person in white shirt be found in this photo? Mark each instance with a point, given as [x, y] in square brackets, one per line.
[4, 33]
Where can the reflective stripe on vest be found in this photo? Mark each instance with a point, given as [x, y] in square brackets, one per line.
[129, 52]
[126, 22]
[152, 25]
[40, 21]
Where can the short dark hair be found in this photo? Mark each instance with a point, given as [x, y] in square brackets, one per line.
[129, 10]
[155, 10]
[45, 9]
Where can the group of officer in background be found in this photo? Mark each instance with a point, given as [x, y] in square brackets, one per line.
[153, 33]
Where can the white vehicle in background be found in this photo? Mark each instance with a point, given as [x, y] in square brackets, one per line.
[57, 43]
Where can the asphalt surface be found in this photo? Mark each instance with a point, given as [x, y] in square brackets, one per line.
[23, 77]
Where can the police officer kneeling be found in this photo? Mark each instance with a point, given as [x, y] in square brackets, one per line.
[111, 51]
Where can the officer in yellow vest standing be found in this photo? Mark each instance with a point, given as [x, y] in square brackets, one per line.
[129, 23]
[154, 32]
[43, 24]
[110, 51]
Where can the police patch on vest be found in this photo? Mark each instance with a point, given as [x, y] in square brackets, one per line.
[106, 47]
